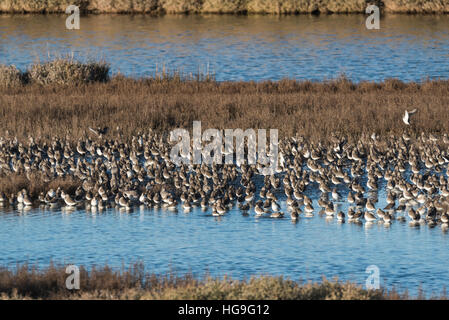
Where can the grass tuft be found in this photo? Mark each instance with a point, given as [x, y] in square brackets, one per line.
[10, 76]
[65, 71]
[29, 282]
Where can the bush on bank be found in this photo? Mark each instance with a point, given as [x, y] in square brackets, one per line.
[59, 72]
[64, 72]
[10, 76]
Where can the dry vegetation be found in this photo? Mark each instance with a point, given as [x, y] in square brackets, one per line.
[26, 282]
[60, 71]
[10, 76]
[67, 71]
[12, 183]
[223, 6]
[312, 109]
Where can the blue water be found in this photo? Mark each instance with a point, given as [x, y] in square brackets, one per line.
[239, 47]
[237, 245]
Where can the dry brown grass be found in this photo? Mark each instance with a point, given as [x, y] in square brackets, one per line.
[223, 6]
[29, 282]
[314, 110]
[10, 76]
[35, 184]
[64, 71]
[60, 71]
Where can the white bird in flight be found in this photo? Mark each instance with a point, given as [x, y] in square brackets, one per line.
[99, 131]
[406, 117]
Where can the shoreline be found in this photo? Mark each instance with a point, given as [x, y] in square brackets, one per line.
[161, 7]
[134, 283]
[242, 14]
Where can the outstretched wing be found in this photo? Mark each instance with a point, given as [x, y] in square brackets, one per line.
[412, 112]
[406, 118]
[94, 131]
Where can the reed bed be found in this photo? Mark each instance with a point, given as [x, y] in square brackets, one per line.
[67, 71]
[223, 6]
[10, 76]
[12, 183]
[29, 282]
[314, 110]
[60, 71]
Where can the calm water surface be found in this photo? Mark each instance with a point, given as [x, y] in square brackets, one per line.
[235, 244]
[240, 47]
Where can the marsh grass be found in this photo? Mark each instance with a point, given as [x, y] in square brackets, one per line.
[312, 109]
[29, 282]
[65, 71]
[165, 74]
[59, 71]
[10, 76]
[223, 6]
[35, 183]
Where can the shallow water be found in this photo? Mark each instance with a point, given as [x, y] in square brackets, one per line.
[240, 47]
[235, 244]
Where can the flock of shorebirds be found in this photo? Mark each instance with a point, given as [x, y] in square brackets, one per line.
[113, 172]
